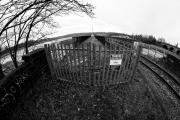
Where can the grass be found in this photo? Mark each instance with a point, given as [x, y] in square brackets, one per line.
[57, 100]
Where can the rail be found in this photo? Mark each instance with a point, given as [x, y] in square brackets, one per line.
[169, 61]
[163, 64]
[167, 78]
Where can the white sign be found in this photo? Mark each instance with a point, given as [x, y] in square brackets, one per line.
[116, 59]
[136, 44]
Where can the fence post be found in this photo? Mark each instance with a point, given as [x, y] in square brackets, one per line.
[155, 54]
[137, 61]
[48, 56]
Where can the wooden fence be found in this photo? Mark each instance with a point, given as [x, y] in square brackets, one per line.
[89, 64]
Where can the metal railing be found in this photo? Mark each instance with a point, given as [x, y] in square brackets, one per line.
[162, 57]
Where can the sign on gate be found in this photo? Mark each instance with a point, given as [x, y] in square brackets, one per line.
[116, 59]
[136, 44]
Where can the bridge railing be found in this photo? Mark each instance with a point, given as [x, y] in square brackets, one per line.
[16, 84]
[164, 58]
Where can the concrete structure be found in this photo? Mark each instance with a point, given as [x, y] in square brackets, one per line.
[171, 48]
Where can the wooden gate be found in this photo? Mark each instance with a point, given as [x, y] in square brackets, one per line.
[89, 64]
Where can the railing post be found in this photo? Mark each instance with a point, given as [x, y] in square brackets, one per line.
[155, 54]
[48, 56]
[136, 61]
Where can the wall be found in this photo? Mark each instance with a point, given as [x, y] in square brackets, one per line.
[16, 84]
[171, 48]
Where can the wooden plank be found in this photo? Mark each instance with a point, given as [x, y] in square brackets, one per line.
[111, 67]
[107, 74]
[104, 65]
[80, 70]
[87, 63]
[56, 59]
[70, 62]
[116, 71]
[122, 51]
[89, 67]
[99, 75]
[59, 63]
[57, 56]
[74, 51]
[132, 63]
[84, 75]
[47, 50]
[136, 62]
[93, 62]
[125, 64]
[122, 66]
[72, 59]
[128, 62]
[53, 59]
[63, 63]
[67, 62]
[88, 72]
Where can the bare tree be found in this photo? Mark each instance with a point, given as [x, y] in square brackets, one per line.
[24, 20]
[161, 40]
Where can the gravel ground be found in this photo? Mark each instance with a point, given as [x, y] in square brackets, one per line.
[165, 97]
[57, 100]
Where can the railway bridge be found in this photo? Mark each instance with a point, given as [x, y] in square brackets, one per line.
[94, 76]
[171, 48]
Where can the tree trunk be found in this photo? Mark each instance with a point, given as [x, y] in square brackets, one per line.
[14, 59]
[1, 71]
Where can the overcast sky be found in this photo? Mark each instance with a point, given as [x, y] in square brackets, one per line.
[160, 18]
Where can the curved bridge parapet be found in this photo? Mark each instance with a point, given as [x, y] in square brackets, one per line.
[16, 84]
[168, 60]
[171, 48]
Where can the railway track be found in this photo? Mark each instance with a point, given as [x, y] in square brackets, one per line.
[165, 77]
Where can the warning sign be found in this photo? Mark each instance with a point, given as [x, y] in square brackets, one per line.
[136, 44]
[116, 59]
